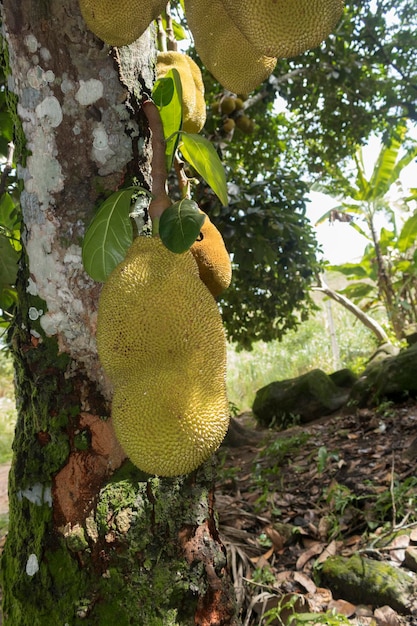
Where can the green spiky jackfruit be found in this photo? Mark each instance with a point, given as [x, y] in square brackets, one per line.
[193, 103]
[160, 339]
[226, 53]
[122, 22]
[284, 28]
[212, 258]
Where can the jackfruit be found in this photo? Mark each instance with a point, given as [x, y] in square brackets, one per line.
[227, 105]
[228, 125]
[119, 23]
[226, 53]
[193, 103]
[245, 124]
[212, 258]
[284, 28]
[160, 339]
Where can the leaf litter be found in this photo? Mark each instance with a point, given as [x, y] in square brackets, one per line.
[289, 500]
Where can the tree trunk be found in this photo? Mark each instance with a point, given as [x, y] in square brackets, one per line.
[92, 540]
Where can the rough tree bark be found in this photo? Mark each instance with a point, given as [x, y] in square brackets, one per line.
[91, 539]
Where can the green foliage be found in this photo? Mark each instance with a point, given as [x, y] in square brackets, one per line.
[301, 350]
[395, 505]
[10, 246]
[288, 446]
[109, 235]
[399, 255]
[387, 273]
[180, 225]
[167, 95]
[202, 156]
[359, 81]
[288, 612]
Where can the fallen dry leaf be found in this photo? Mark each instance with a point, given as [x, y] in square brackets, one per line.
[386, 616]
[342, 606]
[315, 549]
[329, 550]
[305, 581]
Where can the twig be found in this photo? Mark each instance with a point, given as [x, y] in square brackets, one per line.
[391, 489]
[183, 180]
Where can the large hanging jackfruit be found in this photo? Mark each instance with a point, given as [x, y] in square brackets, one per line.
[193, 103]
[120, 22]
[227, 54]
[212, 258]
[284, 28]
[161, 341]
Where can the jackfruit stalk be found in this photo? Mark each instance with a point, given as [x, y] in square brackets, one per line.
[120, 22]
[193, 103]
[160, 339]
[284, 28]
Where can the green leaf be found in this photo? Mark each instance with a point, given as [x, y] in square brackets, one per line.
[408, 234]
[8, 297]
[201, 154]
[180, 225]
[109, 235]
[167, 95]
[357, 291]
[9, 258]
[353, 270]
[163, 91]
[8, 213]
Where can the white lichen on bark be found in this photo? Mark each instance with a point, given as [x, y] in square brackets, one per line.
[63, 135]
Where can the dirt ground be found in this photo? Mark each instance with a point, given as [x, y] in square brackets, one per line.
[334, 487]
[288, 500]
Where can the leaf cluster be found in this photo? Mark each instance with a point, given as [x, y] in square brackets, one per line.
[10, 246]
[362, 79]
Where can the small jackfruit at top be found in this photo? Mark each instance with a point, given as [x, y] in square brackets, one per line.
[194, 105]
[160, 339]
[226, 53]
[212, 258]
[120, 22]
[284, 28]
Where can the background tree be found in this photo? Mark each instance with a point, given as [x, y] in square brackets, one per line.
[387, 271]
[361, 80]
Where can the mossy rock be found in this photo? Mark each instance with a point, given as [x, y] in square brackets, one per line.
[393, 378]
[363, 581]
[302, 399]
[344, 378]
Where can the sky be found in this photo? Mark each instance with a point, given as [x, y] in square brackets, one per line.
[339, 241]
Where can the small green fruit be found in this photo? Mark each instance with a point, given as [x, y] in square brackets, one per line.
[227, 105]
[228, 125]
[245, 124]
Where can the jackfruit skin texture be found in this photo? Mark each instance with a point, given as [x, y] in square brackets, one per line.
[194, 105]
[212, 258]
[161, 341]
[120, 22]
[284, 28]
[224, 50]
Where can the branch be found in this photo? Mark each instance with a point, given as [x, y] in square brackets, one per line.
[160, 199]
[276, 81]
[370, 323]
